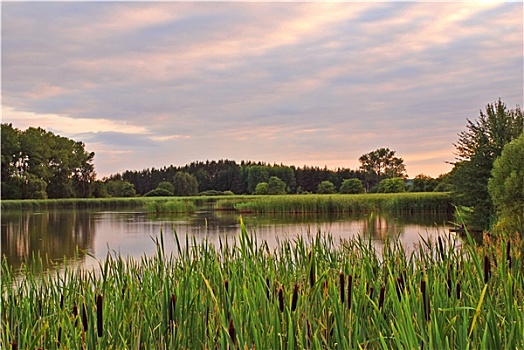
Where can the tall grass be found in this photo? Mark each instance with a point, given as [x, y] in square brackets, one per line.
[338, 203]
[309, 293]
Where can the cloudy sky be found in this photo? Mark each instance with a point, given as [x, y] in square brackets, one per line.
[153, 84]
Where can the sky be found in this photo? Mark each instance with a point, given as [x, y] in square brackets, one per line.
[153, 84]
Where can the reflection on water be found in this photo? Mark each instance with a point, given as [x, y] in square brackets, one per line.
[71, 234]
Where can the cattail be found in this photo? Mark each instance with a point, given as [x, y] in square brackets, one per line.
[172, 304]
[232, 331]
[508, 253]
[371, 290]
[99, 315]
[281, 298]
[312, 277]
[350, 290]
[226, 285]
[123, 292]
[381, 297]
[342, 286]
[325, 288]
[84, 317]
[425, 298]
[295, 298]
[61, 301]
[487, 269]
[458, 290]
[14, 345]
[75, 313]
[441, 248]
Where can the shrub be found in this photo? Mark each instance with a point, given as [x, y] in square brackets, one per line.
[352, 186]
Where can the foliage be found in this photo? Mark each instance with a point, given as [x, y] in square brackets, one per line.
[120, 188]
[158, 192]
[477, 148]
[40, 164]
[168, 186]
[352, 186]
[185, 184]
[394, 185]
[309, 293]
[326, 187]
[424, 183]
[262, 188]
[276, 186]
[380, 164]
[506, 186]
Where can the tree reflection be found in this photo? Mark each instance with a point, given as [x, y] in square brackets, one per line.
[57, 234]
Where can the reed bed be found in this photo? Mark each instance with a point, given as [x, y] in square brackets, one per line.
[308, 293]
[427, 202]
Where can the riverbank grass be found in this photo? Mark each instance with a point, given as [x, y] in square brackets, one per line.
[308, 293]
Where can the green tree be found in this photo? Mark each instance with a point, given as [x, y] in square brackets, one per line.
[185, 184]
[62, 164]
[262, 188]
[506, 187]
[256, 174]
[476, 150]
[381, 164]
[167, 186]
[326, 187]
[394, 185]
[276, 186]
[423, 183]
[352, 186]
[120, 188]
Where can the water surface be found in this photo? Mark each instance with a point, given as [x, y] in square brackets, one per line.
[84, 236]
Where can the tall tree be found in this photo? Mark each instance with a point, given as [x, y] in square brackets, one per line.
[381, 164]
[476, 150]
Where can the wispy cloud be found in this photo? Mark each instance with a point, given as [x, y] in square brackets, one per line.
[298, 83]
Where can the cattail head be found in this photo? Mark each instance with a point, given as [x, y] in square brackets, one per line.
[325, 288]
[232, 331]
[381, 296]
[458, 290]
[226, 285]
[441, 248]
[487, 269]
[99, 315]
[295, 298]
[281, 298]
[84, 318]
[425, 299]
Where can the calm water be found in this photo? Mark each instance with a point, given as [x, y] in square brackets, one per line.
[61, 234]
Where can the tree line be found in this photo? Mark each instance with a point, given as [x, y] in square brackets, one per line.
[487, 178]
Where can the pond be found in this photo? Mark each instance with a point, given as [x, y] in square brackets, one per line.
[82, 237]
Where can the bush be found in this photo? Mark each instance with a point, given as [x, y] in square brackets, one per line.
[352, 186]
[262, 188]
[394, 185]
[326, 187]
[158, 192]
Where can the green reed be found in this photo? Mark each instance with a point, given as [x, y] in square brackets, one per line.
[307, 293]
[340, 203]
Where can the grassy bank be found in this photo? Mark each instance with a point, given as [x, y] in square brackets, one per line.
[427, 202]
[152, 204]
[305, 294]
